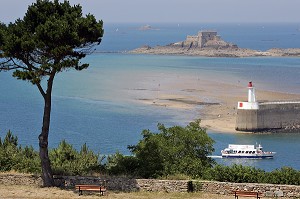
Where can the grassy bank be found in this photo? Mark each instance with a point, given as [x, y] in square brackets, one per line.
[34, 192]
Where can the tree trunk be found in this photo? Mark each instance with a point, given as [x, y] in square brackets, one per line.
[47, 174]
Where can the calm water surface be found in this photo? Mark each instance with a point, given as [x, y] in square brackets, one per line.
[98, 106]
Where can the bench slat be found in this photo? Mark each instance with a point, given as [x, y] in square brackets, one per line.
[247, 194]
[85, 187]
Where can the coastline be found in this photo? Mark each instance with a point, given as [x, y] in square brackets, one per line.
[216, 52]
[208, 43]
[218, 101]
[219, 112]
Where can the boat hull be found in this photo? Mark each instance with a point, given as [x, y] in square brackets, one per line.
[246, 151]
[248, 157]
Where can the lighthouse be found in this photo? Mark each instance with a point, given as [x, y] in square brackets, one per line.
[251, 104]
[251, 93]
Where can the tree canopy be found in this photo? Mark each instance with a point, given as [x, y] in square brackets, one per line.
[174, 150]
[52, 37]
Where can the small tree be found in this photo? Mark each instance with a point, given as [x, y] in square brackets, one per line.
[68, 161]
[174, 150]
[51, 37]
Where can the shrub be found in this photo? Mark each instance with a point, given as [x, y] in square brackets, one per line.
[28, 161]
[285, 175]
[172, 151]
[119, 164]
[66, 160]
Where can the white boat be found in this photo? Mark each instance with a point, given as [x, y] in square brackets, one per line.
[246, 151]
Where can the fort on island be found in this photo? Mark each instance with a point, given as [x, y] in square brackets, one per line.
[257, 116]
[204, 39]
[208, 43]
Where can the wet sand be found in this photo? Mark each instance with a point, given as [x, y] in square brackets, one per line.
[217, 99]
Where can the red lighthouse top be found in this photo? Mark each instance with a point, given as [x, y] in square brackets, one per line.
[250, 84]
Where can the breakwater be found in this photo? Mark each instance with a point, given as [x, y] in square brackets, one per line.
[271, 116]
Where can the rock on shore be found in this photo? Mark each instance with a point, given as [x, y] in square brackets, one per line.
[205, 52]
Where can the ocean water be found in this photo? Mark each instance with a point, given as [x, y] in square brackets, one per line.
[99, 106]
[123, 37]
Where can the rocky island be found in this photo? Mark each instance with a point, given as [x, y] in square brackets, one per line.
[210, 44]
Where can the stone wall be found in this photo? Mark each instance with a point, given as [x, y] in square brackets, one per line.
[268, 190]
[191, 41]
[129, 185]
[20, 179]
[205, 36]
[272, 115]
[202, 39]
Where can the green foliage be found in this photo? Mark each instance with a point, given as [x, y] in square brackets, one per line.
[27, 161]
[235, 173]
[8, 152]
[174, 150]
[246, 174]
[285, 175]
[119, 164]
[67, 161]
[14, 157]
[51, 37]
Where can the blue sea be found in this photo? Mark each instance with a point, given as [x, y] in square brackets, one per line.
[99, 106]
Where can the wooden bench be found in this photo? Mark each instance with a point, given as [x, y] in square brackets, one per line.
[258, 195]
[85, 187]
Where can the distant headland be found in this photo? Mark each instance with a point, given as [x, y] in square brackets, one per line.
[209, 44]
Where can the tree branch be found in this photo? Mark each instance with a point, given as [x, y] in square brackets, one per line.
[41, 90]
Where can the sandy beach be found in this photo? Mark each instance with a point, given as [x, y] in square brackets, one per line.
[218, 99]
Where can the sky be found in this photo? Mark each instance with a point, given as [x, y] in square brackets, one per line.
[174, 11]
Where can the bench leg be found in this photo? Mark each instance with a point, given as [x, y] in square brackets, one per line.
[101, 192]
[80, 192]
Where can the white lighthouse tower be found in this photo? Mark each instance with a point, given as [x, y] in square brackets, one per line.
[251, 104]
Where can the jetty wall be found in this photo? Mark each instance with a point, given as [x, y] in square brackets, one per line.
[269, 116]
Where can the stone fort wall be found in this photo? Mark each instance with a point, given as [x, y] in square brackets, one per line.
[201, 39]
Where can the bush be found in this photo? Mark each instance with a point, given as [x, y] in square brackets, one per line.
[28, 161]
[172, 151]
[246, 174]
[65, 160]
[285, 175]
[119, 164]
[14, 157]
[235, 173]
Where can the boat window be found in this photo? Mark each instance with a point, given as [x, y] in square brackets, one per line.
[253, 152]
[246, 151]
[243, 151]
[239, 152]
